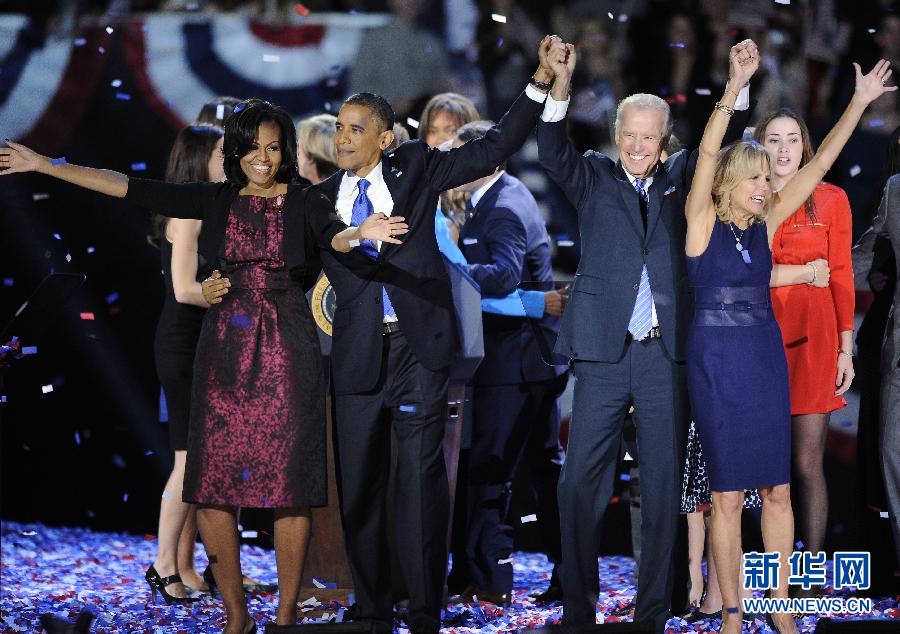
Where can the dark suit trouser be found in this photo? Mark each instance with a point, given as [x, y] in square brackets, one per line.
[603, 392]
[507, 420]
[412, 399]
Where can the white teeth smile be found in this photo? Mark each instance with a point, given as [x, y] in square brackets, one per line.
[261, 169]
[757, 199]
[637, 157]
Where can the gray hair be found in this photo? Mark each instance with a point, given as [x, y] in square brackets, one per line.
[648, 102]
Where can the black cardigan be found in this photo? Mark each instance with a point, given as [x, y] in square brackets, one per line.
[310, 221]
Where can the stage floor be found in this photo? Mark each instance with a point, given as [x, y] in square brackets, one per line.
[64, 571]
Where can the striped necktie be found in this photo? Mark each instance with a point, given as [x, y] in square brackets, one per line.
[362, 209]
[642, 315]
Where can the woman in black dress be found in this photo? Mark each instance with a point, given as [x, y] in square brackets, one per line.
[196, 156]
[258, 415]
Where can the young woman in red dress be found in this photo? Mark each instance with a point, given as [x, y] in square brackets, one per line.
[813, 300]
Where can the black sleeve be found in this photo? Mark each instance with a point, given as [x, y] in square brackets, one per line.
[174, 200]
[321, 219]
[479, 157]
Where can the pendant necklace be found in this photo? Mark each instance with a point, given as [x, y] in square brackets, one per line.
[745, 254]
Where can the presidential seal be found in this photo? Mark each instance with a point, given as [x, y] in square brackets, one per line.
[322, 304]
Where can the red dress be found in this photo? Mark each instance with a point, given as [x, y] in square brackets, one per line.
[811, 318]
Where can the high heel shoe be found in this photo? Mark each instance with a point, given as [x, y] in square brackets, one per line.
[159, 584]
[210, 581]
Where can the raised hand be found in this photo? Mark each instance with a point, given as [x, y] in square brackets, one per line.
[17, 158]
[871, 86]
[543, 52]
[215, 287]
[383, 228]
[561, 58]
[743, 62]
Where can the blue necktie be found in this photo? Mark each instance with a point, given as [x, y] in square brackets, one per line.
[362, 209]
[642, 315]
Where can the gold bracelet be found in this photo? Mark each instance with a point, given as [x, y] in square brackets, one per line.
[845, 352]
[723, 108]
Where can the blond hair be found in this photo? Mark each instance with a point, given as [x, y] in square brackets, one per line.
[735, 163]
[316, 137]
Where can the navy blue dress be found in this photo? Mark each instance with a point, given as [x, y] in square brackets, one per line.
[737, 371]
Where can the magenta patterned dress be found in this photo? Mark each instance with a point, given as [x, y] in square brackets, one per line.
[257, 435]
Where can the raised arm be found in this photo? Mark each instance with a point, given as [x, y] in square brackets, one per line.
[480, 157]
[868, 88]
[699, 208]
[568, 169]
[16, 159]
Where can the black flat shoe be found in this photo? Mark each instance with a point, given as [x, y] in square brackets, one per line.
[699, 615]
[159, 584]
[553, 594]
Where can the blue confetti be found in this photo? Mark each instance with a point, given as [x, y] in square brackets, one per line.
[26, 350]
[149, 452]
[407, 408]
[245, 474]
[90, 249]
[57, 236]
[625, 477]
[3, 398]
[112, 297]
[240, 320]
[125, 498]
[79, 41]
[8, 281]
[676, 44]
[138, 167]
[123, 96]
[118, 461]
[58, 161]
[77, 438]
[876, 123]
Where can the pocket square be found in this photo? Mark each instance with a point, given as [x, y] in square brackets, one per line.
[470, 240]
[669, 191]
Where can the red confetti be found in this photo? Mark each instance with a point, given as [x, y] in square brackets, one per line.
[87, 316]
[301, 10]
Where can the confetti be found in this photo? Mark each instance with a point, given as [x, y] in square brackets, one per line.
[220, 111]
[883, 515]
[8, 281]
[240, 320]
[525, 519]
[115, 83]
[119, 461]
[500, 42]
[101, 50]
[249, 534]
[876, 123]
[702, 91]
[87, 316]
[125, 498]
[138, 167]
[496, 17]
[46, 389]
[412, 122]
[109, 30]
[57, 236]
[167, 496]
[623, 17]
[27, 350]
[271, 58]
[123, 96]
[149, 452]
[41, 196]
[628, 457]
[112, 297]
[58, 161]
[299, 9]
[68, 257]
[90, 249]
[245, 474]
[79, 41]
[782, 1]
[610, 15]
[871, 30]
[625, 477]
[676, 44]
[855, 170]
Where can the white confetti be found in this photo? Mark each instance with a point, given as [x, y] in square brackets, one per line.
[412, 123]
[109, 30]
[68, 257]
[249, 534]
[610, 15]
[703, 91]
[623, 18]
[46, 389]
[628, 457]
[115, 83]
[220, 111]
[40, 196]
[500, 562]
[855, 170]
[272, 58]
[871, 30]
[529, 518]
[782, 1]
[883, 515]
[496, 17]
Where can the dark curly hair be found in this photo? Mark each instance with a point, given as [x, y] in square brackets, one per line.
[240, 135]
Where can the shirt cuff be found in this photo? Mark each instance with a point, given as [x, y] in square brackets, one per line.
[554, 110]
[533, 303]
[743, 99]
[534, 94]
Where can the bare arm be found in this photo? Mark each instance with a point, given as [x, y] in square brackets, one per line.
[815, 273]
[868, 88]
[699, 209]
[183, 235]
[17, 159]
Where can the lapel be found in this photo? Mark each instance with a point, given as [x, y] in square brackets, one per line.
[659, 186]
[630, 200]
[394, 178]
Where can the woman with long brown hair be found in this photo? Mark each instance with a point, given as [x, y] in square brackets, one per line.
[814, 309]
